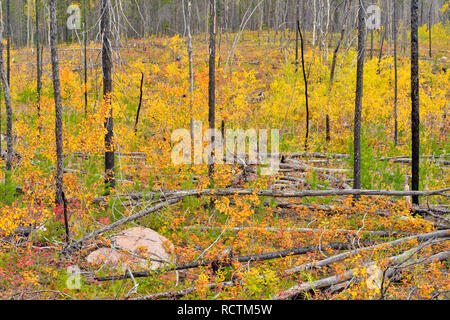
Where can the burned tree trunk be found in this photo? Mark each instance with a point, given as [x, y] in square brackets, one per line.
[59, 198]
[8, 41]
[429, 29]
[415, 118]
[306, 85]
[189, 49]
[85, 58]
[7, 95]
[394, 34]
[332, 71]
[212, 83]
[38, 67]
[358, 99]
[107, 89]
[140, 103]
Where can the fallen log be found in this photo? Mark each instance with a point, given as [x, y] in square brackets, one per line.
[408, 160]
[184, 292]
[167, 194]
[227, 262]
[309, 193]
[296, 290]
[303, 167]
[342, 256]
[307, 230]
[78, 243]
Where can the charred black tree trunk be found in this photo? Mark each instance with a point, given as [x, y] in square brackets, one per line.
[306, 85]
[60, 198]
[212, 83]
[7, 95]
[140, 103]
[415, 118]
[107, 89]
[394, 34]
[8, 41]
[297, 22]
[58, 104]
[332, 71]
[383, 35]
[429, 29]
[85, 59]
[358, 100]
[38, 67]
[371, 39]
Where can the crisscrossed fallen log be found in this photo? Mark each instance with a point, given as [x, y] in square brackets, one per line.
[342, 256]
[227, 262]
[395, 261]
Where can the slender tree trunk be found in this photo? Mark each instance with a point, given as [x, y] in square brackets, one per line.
[358, 99]
[415, 118]
[394, 34]
[297, 22]
[212, 83]
[314, 23]
[421, 12]
[59, 197]
[191, 69]
[8, 41]
[429, 29]
[332, 71]
[306, 85]
[383, 35]
[371, 40]
[140, 103]
[38, 67]
[107, 89]
[85, 59]
[260, 22]
[8, 105]
[189, 49]
[28, 26]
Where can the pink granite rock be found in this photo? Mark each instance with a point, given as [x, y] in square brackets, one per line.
[139, 248]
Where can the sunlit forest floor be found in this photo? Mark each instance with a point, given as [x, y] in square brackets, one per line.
[257, 87]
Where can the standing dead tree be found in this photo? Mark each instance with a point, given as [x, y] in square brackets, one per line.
[429, 30]
[85, 58]
[212, 84]
[105, 26]
[415, 117]
[59, 194]
[7, 95]
[333, 68]
[8, 40]
[140, 103]
[358, 99]
[38, 67]
[306, 84]
[394, 34]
